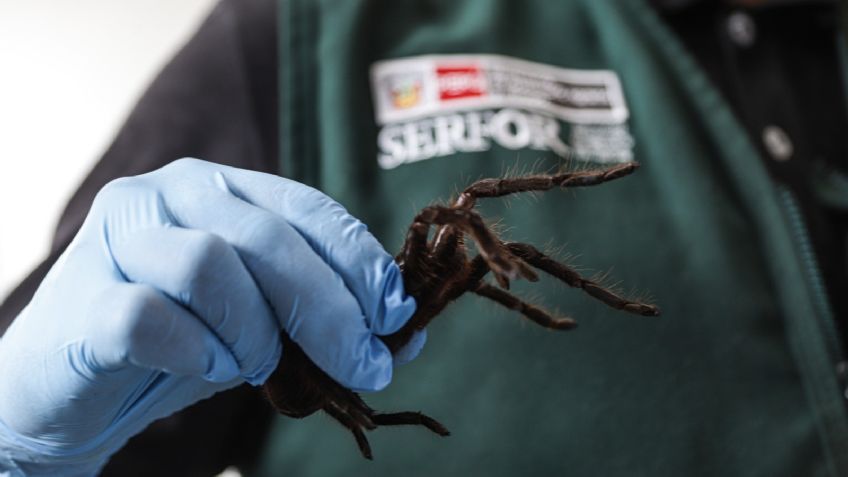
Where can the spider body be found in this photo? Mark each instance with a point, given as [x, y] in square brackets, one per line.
[436, 272]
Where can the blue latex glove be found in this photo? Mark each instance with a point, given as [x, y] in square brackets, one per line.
[175, 288]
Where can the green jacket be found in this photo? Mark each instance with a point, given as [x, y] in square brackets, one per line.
[739, 375]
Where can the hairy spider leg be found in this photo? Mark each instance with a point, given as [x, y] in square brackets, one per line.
[422, 269]
[410, 418]
[352, 405]
[413, 254]
[533, 312]
[347, 421]
[382, 419]
[568, 275]
[475, 283]
[448, 240]
[351, 411]
[503, 265]
[487, 188]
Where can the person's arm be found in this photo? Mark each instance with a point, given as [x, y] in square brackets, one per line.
[216, 99]
[178, 286]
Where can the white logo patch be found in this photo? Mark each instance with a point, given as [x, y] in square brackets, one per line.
[436, 105]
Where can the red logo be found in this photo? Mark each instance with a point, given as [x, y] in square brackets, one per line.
[457, 82]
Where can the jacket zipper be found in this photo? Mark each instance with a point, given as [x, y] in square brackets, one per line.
[816, 280]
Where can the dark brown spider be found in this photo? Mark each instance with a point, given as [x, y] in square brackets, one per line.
[436, 272]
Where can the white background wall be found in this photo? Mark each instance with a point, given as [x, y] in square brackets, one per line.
[69, 73]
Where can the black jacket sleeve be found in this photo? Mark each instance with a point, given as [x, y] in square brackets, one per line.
[216, 100]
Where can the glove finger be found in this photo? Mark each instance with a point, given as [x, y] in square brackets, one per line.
[340, 239]
[136, 324]
[202, 272]
[310, 299]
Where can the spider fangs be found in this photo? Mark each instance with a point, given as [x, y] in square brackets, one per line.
[437, 272]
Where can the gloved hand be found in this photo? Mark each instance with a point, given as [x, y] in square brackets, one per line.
[175, 288]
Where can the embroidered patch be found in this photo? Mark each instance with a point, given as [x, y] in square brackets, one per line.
[436, 105]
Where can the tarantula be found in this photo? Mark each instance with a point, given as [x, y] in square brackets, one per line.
[436, 272]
